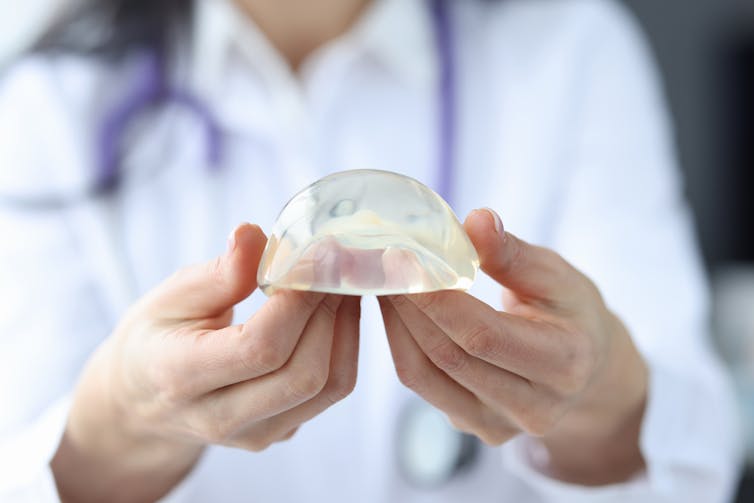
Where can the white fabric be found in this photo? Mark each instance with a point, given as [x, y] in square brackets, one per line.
[21, 24]
[562, 130]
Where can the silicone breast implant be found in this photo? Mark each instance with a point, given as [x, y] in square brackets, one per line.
[367, 232]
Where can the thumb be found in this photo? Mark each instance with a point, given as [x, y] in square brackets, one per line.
[210, 289]
[530, 271]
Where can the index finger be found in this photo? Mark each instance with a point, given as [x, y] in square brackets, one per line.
[213, 359]
[525, 347]
[532, 272]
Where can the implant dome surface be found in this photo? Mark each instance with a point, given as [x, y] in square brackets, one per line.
[367, 232]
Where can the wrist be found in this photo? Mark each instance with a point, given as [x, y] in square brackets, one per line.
[598, 442]
[105, 456]
[601, 457]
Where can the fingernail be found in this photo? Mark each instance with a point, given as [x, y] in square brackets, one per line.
[232, 239]
[495, 220]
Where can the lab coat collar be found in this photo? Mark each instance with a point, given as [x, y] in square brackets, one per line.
[400, 34]
[397, 33]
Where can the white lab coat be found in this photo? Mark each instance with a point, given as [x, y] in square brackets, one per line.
[562, 129]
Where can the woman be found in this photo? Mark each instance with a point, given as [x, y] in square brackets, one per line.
[178, 123]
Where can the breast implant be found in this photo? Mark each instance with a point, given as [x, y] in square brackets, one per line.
[367, 232]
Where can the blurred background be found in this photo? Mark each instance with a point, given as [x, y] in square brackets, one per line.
[705, 49]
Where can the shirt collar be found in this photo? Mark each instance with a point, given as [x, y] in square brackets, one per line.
[400, 34]
[396, 33]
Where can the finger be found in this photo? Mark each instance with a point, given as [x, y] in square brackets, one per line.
[345, 353]
[228, 410]
[518, 400]
[525, 347]
[210, 289]
[417, 373]
[402, 269]
[204, 361]
[253, 441]
[533, 272]
[340, 383]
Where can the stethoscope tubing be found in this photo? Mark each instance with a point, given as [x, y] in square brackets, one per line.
[152, 89]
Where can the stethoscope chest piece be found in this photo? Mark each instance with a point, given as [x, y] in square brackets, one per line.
[430, 450]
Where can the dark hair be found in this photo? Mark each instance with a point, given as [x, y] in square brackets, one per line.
[114, 28]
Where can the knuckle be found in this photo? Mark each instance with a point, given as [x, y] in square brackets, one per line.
[517, 257]
[582, 286]
[397, 300]
[293, 301]
[480, 340]
[219, 421]
[578, 367]
[592, 289]
[488, 427]
[289, 435]
[253, 443]
[561, 266]
[170, 388]
[537, 425]
[424, 301]
[330, 306]
[497, 435]
[306, 301]
[573, 381]
[493, 430]
[461, 424]
[410, 377]
[216, 271]
[307, 385]
[448, 357]
[255, 446]
[263, 355]
[340, 386]
[212, 434]
[217, 429]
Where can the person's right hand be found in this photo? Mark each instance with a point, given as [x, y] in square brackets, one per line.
[175, 377]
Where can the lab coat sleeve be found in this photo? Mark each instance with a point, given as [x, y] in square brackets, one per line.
[53, 308]
[51, 316]
[623, 221]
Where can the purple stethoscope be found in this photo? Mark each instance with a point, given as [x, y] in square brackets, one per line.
[153, 89]
[429, 451]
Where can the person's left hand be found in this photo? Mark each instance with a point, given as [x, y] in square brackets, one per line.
[557, 365]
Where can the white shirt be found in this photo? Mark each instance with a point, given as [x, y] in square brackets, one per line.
[562, 130]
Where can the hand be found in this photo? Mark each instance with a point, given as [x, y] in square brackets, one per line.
[557, 365]
[175, 377]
